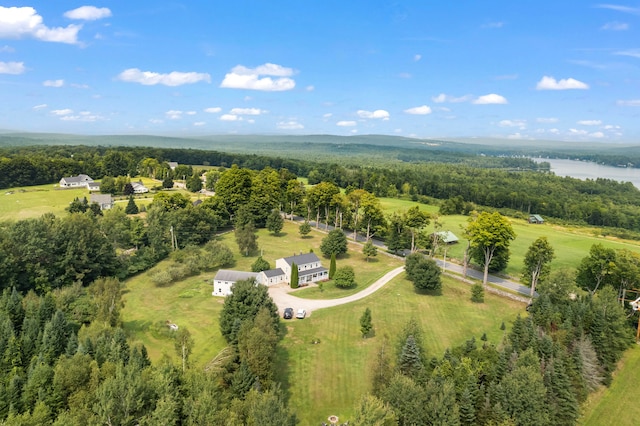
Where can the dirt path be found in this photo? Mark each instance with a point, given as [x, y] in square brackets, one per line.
[283, 295]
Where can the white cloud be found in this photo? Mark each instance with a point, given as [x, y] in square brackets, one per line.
[14, 68]
[39, 107]
[310, 88]
[490, 99]
[24, 22]
[441, 98]
[379, 113]
[345, 123]
[173, 114]
[80, 86]
[515, 135]
[547, 120]
[7, 49]
[84, 116]
[630, 102]
[550, 83]
[53, 83]
[247, 111]
[88, 13]
[590, 122]
[191, 112]
[522, 124]
[634, 53]
[230, 117]
[354, 131]
[175, 78]
[554, 131]
[419, 110]
[579, 132]
[65, 111]
[199, 123]
[156, 121]
[404, 75]
[597, 135]
[615, 26]
[242, 77]
[611, 127]
[417, 57]
[213, 110]
[290, 125]
[618, 8]
[327, 115]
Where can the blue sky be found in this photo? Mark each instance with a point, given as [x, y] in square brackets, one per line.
[561, 70]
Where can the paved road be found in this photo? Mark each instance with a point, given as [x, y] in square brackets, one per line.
[284, 296]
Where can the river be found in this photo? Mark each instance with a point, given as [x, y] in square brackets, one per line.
[587, 170]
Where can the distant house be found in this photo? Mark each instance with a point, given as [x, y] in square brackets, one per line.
[535, 218]
[310, 269]
[103, 200]
[173, 164]
[225, 278]
[93, 186]
[447, 237]
[139, 188]
[80, 181]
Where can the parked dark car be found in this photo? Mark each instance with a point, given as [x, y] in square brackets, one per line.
[288, 313]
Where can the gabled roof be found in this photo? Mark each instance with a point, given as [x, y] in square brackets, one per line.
[79, 178]
[304, 273]
[301, 259]
[536, 217]
[233, 276]
[101, 199]
[447, 237]
[270, 273]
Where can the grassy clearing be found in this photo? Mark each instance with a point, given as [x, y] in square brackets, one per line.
[620, 399]
[329, 377]
[34, 201]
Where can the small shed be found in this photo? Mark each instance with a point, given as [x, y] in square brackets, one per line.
[447, 237]
[226, 278]
[103, 200]
[536, 218]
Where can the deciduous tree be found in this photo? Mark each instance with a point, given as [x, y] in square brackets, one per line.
[345, 277]
[536, 262]
[334, 243]
[489, 232]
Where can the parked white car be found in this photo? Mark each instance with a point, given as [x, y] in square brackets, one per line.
[301, 314]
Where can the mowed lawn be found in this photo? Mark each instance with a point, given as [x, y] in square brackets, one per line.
[34, 201]
[329, 377]
[617, 404]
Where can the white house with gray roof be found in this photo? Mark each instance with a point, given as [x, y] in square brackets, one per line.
[80, 181]
[310, 270]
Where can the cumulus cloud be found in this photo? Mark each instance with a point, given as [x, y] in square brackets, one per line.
[441, 98]
[578, 132]
[88, 13]
[213, 110]
[65, 111]
[310, 88]
[175, 78]
[230, 117]
[522, 124]
[155, 121]
[629, 102]
[597, 135]
[379, 114]
[24, 22]
[242, 77]
[345, 123]
[199, 123]
[247, 111]
[289, 125]
[615, 26]
[173, 114]
[419, 110]
[84, 116]
[14, 68]
[489, 99]
[550, 83]
[547, 120]
[53, 83]
[590, 122]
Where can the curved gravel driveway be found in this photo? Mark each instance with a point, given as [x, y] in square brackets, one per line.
[283, 296]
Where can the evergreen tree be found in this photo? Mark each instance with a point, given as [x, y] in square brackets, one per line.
[373, 411]
[332, 266]
[369, 250]
[54, 339]
[260, 265]
[365, 323]
[410, 361]
[132, 207]
[167, 182]
[246, 238]
[477, 293]
[294, 276]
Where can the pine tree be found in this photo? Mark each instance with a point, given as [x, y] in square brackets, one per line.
[369, 250]
[410, 362]
[477, 293]
[294, 275]
[365, 323]
[132, 207]
[332, 266]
